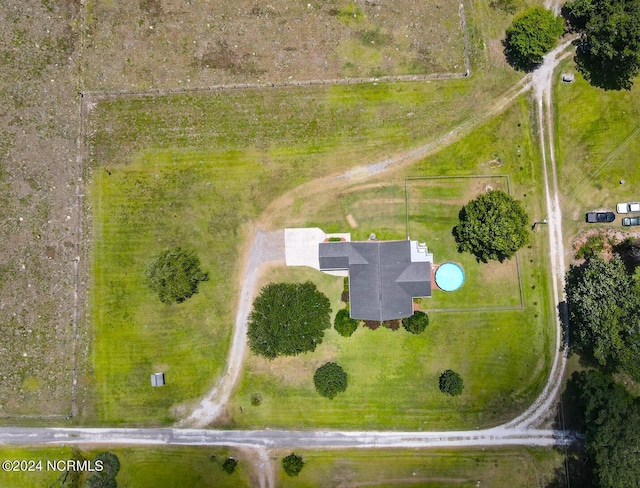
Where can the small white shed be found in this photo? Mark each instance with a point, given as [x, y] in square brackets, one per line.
[157, 379]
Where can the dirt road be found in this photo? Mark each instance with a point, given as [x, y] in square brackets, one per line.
[267, 247]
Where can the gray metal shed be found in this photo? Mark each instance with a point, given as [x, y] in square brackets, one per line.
[157, 379]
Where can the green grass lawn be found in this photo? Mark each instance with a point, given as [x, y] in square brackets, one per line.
[434, 204]
[166, 467]
[160, 201]
[503, 355]
[393, 375]
[190, 170]
[514, 467]
[598, 144]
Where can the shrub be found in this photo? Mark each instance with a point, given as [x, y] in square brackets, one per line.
[345, 296]
[174, 275]
[106, 477]
[592, 247]
[451, 383]
[292, 464]
[288, 319]
[345, 325]
[330, 379]
[256, 399]
[229, 465]
[417, 323]
[391, 324]
[372, 324]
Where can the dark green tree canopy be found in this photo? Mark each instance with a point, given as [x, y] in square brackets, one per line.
[229, 465]
[292, 464]
[603, 303]
[451, 383]
[417, 323]
[330, 379]
[106, 477]
[611, 421]
[532, 34]
[288, 319]
[608, 52]
[174, 275]
[493, 226]
[345, 325]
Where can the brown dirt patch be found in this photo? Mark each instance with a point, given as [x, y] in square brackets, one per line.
[39, 208]
[153, 44]
[611, 238]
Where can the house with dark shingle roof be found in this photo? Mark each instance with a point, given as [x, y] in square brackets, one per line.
[384, 276]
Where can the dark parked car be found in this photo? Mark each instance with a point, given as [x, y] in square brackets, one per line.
[631, 221]
[593, 217]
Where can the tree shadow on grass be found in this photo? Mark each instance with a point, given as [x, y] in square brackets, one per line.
[608, 75]
[576, 470]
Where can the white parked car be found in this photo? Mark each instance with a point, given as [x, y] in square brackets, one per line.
[624, 208]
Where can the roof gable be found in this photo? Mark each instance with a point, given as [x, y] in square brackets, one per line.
[383, 280]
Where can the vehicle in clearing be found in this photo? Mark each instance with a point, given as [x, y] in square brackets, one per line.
[623, 208]
[631, 221]
[599, 217]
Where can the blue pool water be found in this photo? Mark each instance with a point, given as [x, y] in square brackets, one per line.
[449, 276]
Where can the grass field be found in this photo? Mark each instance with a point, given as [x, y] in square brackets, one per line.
[514, 467]
[503, 355]
[166, 467]
[598, 143]
[191, 170]
[159, 202]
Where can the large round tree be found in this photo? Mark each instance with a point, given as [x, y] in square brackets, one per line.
[603, 306]
[330, 379]
[344, 324]
[493, 226]
[532, 34]
[608, 53]
[288, 319]
[174, 275]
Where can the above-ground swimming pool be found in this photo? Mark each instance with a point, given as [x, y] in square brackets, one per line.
[449, 276]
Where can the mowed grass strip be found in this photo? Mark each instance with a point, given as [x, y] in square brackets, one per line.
[161, 201]
[168, 467]
[296, 132]
[35, 478]
[393, 376]
[513, 466]
[598, 145]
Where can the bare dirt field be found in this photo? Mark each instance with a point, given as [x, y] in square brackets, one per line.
[38, 207]
[169, 43]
